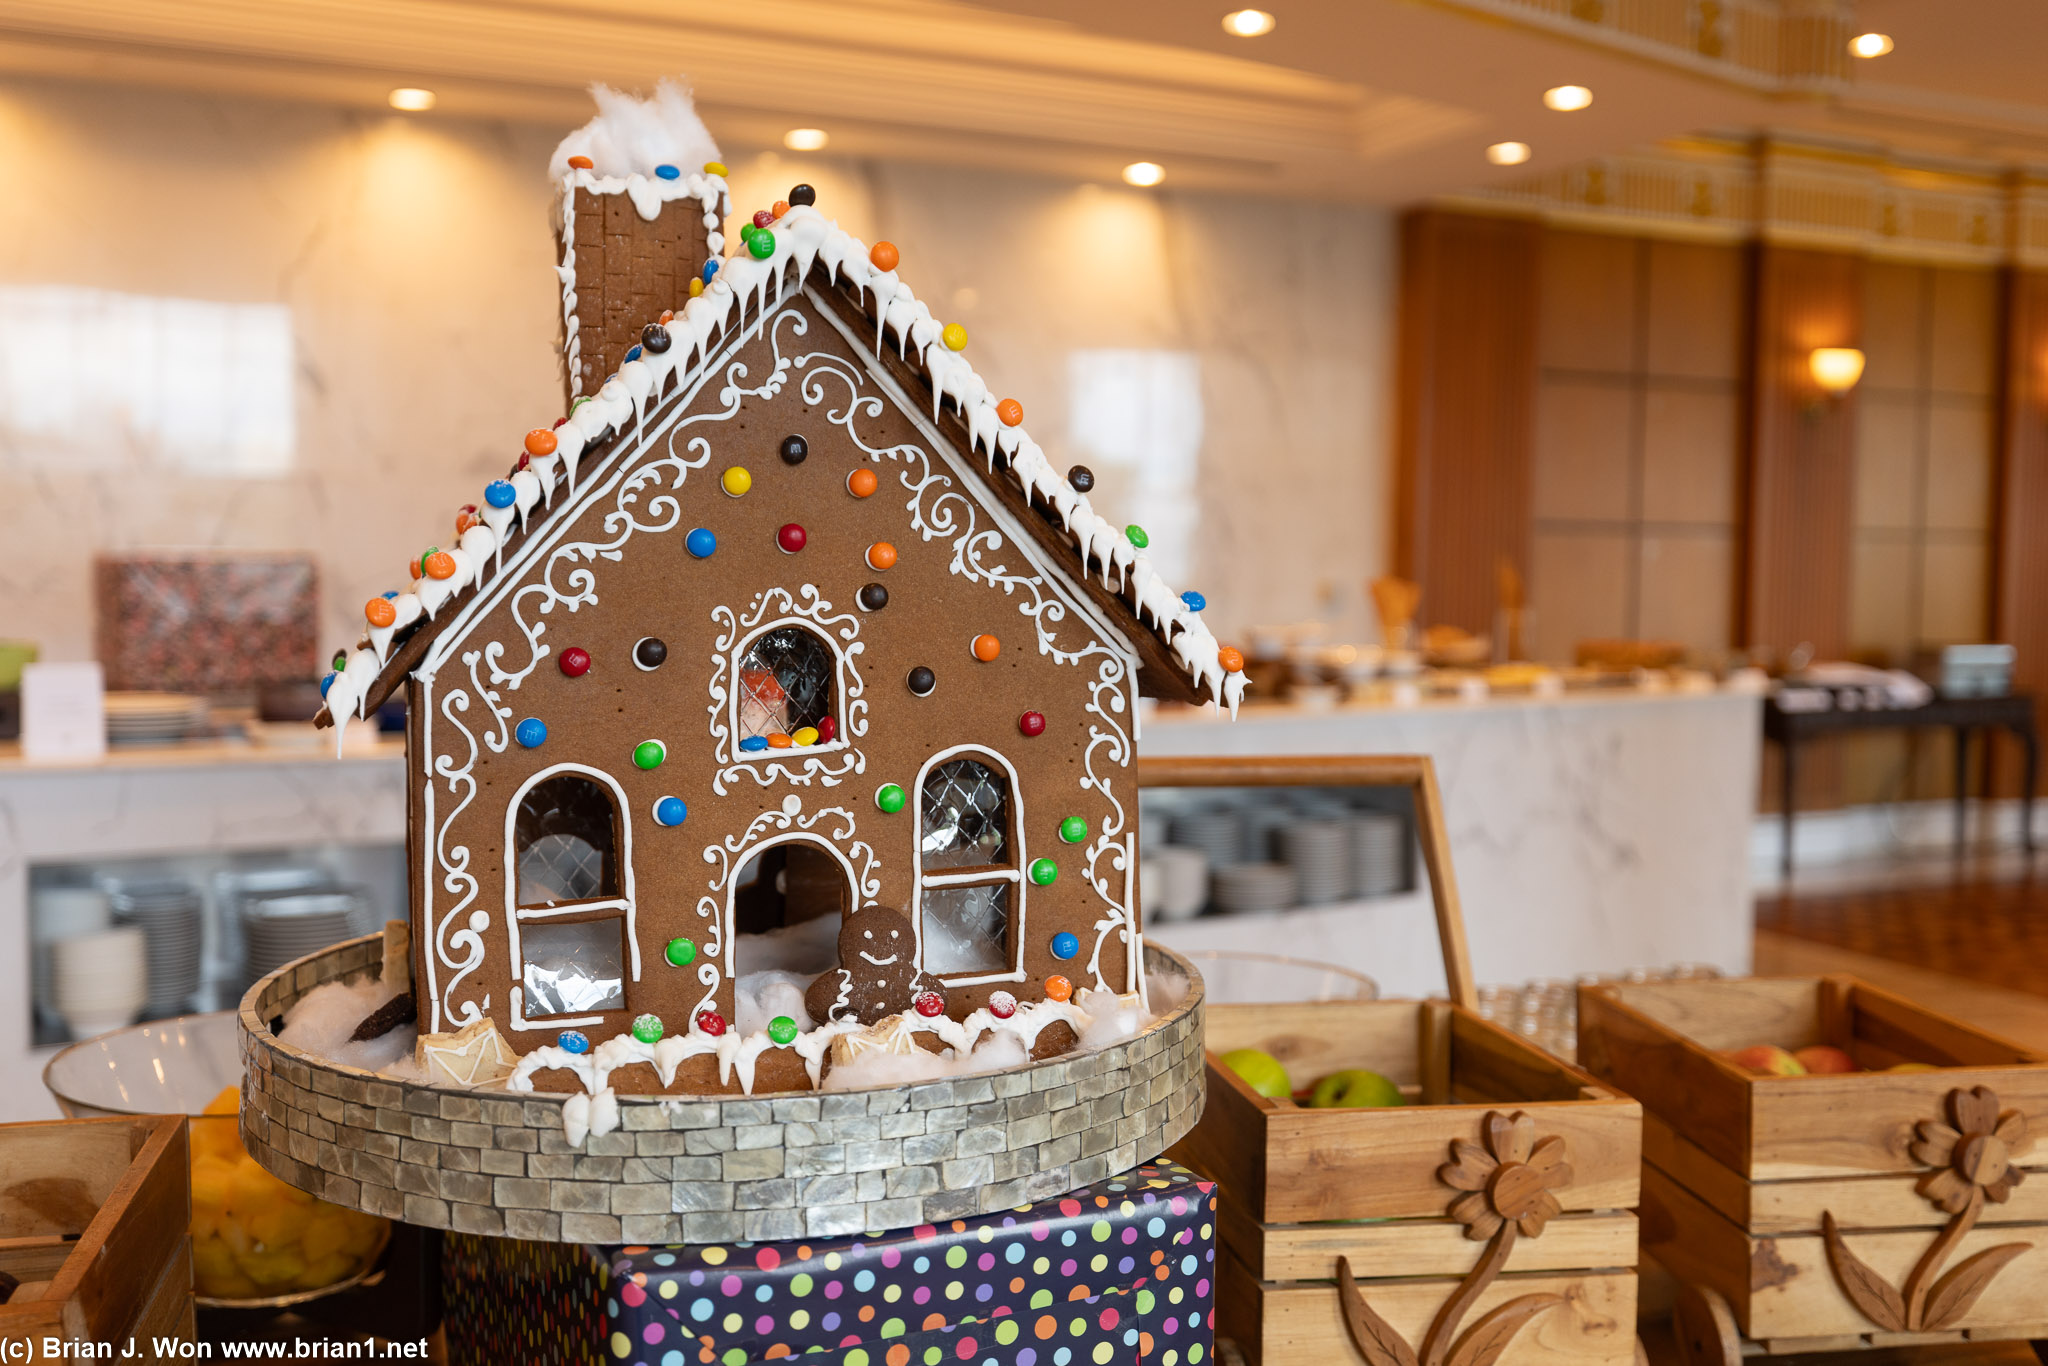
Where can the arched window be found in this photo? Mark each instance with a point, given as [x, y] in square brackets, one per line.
[569, 889]
[786, 683]
[969, 887]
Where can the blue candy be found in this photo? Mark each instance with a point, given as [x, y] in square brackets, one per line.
[754, 744]
[390, 595]
[710, 269]
[633, 354]
[670, 811]
[532, 732]
[668, 173]
[573, 1041]
[1195, 601]
[328, 682]
[499, 493]
[1065, 945]
[701, 543]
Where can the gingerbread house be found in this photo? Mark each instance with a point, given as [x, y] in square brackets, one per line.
[787, 627]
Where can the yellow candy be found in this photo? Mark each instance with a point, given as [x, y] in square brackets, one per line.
[696, 286]
[736, 481]
[955, 337]
[714, 168]
[806, 735]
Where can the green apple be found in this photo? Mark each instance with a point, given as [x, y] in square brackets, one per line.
[1261, 1071]
[1354, 1086]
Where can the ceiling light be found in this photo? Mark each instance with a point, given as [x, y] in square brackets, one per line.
[1248, 23]
[411, 99]
[1508, 153]
[1144, 173]
[1566, 98]
[1871, 44]
[1836, 368]
[805, 139]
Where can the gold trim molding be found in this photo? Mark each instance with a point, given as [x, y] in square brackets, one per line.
[1800, 194]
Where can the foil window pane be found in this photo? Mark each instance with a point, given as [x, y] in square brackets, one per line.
[967, 929]
[785, 683]
[564, 835]
[573, 969]
[966, 816]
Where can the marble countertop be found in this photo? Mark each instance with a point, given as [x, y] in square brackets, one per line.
[213, 753]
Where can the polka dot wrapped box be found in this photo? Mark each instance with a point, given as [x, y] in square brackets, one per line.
[1120, 1271]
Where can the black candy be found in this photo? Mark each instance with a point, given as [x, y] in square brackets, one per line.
[802, 194]
[874, 597]
[1081, 478]
[654, 337]
[794, 450]
[922, 680]
[650, 653]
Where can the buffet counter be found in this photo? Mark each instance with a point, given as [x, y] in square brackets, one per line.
[1592, 832]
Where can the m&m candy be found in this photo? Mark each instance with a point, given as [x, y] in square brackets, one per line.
[828, 730]
[1073, 830]
[1010, 412]
[881, 555]
[1058, 988]
[439, 564]
[711, 1022]
[793, 449]
[804, 736]
[654, 337]
[1002, 1005]
[1135, 534]
[889, 798]
[930, 1004]
[986, 647]
[802, 194]
[1080, 479]
[1231, 658]
[874, 597]
[531, 733]
[581, 163]
[540, 441]
[1193, 601]
[955, 337]
[884, 255]
[921, 681]
[1044, 871]
[763, 217]
[761, 245]
[790, 538]
[573, 1041]
[1031, 723]
[499, 493]
[736, 481]
[667, 172]
[701, 543]
[379, 612]
[782, 1030]
[650, 653]
[777, 740]
[575, 661]
[680, 952]
[1065, 945]
[671, 811]
[862, 483]
[649, 754]
[648, 1028]
[714, 168]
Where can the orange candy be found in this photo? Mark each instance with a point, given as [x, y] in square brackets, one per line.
[780, 208]
[439, 565]
[862, 483]
[540, 441]
[986, 648]
[1058, 988]
[779, 741]
[581, 163]
[1231, 658]
[881, 555]
[1010, 411]
[379, 612]
[667, 315]
[884, 255]
[464, 521]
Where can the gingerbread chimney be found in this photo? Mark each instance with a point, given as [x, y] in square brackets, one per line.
[624, 265]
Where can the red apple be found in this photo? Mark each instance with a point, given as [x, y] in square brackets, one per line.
[1823, 1059]
[1766, 1060]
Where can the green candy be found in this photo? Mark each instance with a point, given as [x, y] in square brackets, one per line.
[649, 754]
[680, 952]
[1136, 535]
[1044, 871]
[761, 244]
[890, 798]
[1073, 830]
[647, 1028]
[782, 1029]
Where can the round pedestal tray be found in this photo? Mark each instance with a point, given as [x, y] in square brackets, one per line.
[709, 1168]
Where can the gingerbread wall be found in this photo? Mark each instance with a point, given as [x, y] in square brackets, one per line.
[969, 578]
[629, 270]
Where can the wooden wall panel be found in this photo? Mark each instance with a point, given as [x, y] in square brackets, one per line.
[2019, 589]
[1801, 467]
[1467, 401]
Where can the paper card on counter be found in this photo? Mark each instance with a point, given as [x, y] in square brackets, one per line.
[63, 712]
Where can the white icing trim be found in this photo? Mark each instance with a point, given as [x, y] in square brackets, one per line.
[515, 913]
[1019, 860]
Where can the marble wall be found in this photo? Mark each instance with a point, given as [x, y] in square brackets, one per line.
[414, 256]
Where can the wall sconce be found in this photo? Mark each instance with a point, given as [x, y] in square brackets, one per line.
[1836, 368]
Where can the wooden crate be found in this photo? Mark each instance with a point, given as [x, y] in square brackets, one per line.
[98, 1208]
[1812, 1213]
[1375, 1234]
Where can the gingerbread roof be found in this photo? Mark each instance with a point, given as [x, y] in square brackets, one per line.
[1178, 656]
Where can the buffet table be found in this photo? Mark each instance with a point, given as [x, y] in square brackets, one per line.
[1592, 832]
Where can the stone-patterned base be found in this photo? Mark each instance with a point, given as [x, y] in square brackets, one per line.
[714, 1169]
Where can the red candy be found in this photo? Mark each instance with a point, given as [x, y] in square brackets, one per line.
[828, 730]
[575, 662]
[791, 538]
[764, 218]
[1002, 1005]
[1031, 723]
[711, 1022]
[930, 1004]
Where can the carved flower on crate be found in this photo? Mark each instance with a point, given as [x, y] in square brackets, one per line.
[1510, 1179]
[1972, 1157]
[1975, 1149]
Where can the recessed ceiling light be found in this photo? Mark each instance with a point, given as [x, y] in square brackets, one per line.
[1871, 44]
[805, 139]
[411, 99]
[1248, 23]
[1508, 153]
[1144, 173]
[1566, 98]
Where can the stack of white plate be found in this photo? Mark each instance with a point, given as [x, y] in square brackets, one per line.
[232, 888]
[1217, 831]
[1320, 854]
[60, 913]
[1379, 850]
[100, 981]
[1253, 888]
[1263, 827]
[153, 718]
[170, 914]
[287, 925]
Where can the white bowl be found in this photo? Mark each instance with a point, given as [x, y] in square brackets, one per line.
[166, 1067]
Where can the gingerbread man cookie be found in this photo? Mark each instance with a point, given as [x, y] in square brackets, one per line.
[878, 974]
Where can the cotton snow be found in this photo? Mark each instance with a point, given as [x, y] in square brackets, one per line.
[322, 1020]
[631, 136]
[870, 1070]
[759, 997]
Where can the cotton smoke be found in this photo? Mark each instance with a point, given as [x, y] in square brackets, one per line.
[631, 136]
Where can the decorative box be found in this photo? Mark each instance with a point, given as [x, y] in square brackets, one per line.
[1118, 1271]
[205, 623]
